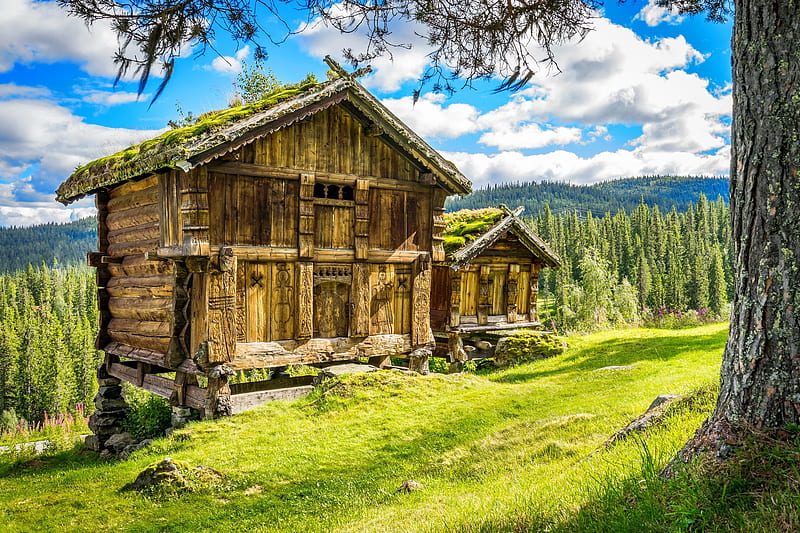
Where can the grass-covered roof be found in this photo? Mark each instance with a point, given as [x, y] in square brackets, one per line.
[216, 133]
[469, 232]
[466, 225]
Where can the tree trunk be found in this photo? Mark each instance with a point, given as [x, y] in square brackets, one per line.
[760, 377]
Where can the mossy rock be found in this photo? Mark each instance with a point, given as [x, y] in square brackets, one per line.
[171, 476]
[527, 346]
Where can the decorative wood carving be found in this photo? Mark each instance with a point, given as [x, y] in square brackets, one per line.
[483, 295]
[305, 300]
[421, 333]
[438, 225]
[455, 299]
[306, 222]
[381, 316]
[331, 309]
[533, 306]
[194, 212]
[511, 293]
[361, 197]
[283, 302]
[360, 295]
[222, 307]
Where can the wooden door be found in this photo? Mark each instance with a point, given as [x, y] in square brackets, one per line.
[332, 300]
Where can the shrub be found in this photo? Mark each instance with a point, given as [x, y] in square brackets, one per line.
[527, 346]
[149, 416]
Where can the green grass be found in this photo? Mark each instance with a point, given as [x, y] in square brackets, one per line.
[514, 450]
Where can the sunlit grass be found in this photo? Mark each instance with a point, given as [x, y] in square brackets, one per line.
[515, 449]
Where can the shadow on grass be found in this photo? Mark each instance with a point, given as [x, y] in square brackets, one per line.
[618, 352]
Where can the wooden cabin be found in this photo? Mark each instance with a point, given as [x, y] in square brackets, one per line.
[490, 279]
[298, 230]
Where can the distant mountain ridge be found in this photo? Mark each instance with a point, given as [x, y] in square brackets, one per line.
[64, 244]
[600, 198]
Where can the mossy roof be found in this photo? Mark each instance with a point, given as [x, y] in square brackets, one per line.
[469, 232]
[217, 133]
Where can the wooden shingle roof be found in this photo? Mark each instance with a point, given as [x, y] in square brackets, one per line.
[228, 130]
[509, 223]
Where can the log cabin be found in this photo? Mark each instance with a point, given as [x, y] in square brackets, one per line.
[300, 229]
[490, 279]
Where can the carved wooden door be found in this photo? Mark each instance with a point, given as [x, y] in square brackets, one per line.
[332, 300]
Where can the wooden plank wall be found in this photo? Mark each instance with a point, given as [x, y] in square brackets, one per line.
[252, 211]
[330, 141]
[141, 292]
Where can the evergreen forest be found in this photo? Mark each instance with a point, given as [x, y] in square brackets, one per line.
[47, 355]
[47, 243]
[650, 267]
[665, 192]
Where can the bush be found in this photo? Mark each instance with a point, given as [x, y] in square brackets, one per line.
[149, 416]
[527, 346]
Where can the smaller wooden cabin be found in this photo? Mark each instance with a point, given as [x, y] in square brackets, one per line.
[490, 280]
[297, 230]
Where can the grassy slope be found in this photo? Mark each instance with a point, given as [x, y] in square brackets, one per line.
[501, 451]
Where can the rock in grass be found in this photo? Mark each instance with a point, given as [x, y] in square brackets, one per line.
[173, 476]
[410, 485]
[527, 345]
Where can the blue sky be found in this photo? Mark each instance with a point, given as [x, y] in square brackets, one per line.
[646, 92]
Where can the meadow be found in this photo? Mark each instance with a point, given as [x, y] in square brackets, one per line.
[520, 449]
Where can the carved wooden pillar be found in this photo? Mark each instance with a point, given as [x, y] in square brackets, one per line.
[306, 222]
[533, 306]
[305, 300]
[222, 307]
[197, 268]
[178, 344]
[438, 225]
[455, 299]
[194, 213]
[360, 301]
[421, 333]
[483, 295]
[361, 198]
[511, 293]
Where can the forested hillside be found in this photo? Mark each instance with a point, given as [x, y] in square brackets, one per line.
[644, 266]
[65, 244]
[48, 320]
[665, 192]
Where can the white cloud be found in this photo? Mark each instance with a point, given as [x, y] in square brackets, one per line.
[110, 98]
[485, 169]
[42, 32]
[8, 90]
[652, 14]
[530, 135]
[406, 61]
[429, 117]
[47, 141]
[230, 64]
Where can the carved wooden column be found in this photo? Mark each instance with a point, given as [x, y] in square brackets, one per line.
[306, 223]
[222, 307]
[178, 344]
[194, 213]
[455, 299]
[360, 300]
[305, 300]
[438, 225]
[533, 305]
[483, 295]
[511, 293]
[421, 333]
[361, 197]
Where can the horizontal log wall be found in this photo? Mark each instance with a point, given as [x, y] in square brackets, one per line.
[140, 291]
